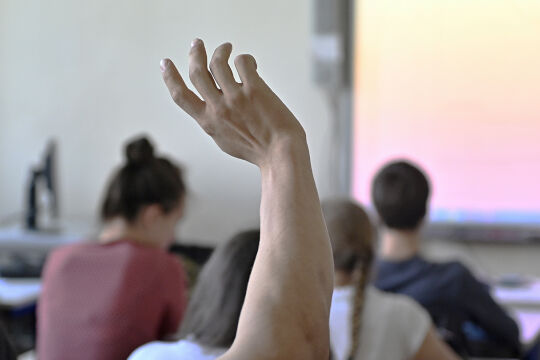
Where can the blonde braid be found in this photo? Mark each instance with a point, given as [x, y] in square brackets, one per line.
[358, 307]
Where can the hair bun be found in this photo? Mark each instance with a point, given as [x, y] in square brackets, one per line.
[139, 151]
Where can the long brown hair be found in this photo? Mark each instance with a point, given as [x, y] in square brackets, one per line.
[351, 235]
[215, 305]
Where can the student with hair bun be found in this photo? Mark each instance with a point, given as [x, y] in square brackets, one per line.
[103, 299]
[366, 323]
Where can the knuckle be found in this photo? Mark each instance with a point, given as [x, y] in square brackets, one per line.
[216, 62]
[209, 130]
[178, 96]
[207, 127]
[251, 92]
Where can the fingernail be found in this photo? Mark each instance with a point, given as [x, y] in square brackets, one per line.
[163, 65]
[195, 42]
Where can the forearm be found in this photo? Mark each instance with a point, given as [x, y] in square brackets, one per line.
[294, 250]
[285, 313]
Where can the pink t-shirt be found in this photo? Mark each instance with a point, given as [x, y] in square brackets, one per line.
[103, 301]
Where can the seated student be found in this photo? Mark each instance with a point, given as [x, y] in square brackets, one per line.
[449, 291]
[287, 303]
[211, 319]
[366, 323]
[103, 299]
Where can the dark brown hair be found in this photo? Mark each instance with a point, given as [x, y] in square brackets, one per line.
[400, 192]
[143, 180]
[351, 235]
[214, 308]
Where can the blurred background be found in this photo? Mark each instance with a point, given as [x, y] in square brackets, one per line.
[87, 75]
[452, 85]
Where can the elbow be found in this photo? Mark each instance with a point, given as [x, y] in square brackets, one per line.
[311, 350]
[316, 341]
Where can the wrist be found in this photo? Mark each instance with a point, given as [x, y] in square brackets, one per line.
[286, 151]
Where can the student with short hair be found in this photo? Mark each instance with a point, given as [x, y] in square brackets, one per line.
[366, 323]
[448, 290]
[103, 299]
[211, 319]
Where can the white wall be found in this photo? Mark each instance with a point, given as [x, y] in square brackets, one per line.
[88, 74]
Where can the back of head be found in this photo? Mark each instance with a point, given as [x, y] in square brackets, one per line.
[351, 234]
[400, 193]
[214, 308]
[143, 180]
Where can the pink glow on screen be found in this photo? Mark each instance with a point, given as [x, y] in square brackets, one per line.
[455, 87]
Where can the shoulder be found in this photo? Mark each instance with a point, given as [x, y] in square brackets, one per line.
[155, 350]
[173, 261]
[455, 267]
[446, 273]
[159, 259]
[395, 303]
[172, 267]
[154, 262]
[455, 273]
[399, 310]
[404, 322]
[183, 349]
[173, 280]
[65, 254]
[72, 249]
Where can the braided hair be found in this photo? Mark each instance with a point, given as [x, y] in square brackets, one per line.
[351, 235]
[358, 307]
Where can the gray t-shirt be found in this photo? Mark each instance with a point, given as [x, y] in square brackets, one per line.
[393, 326]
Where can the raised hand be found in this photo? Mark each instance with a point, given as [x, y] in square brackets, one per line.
[247, 120]
[287, 303]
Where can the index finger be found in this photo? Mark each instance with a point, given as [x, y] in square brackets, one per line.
[181, 94]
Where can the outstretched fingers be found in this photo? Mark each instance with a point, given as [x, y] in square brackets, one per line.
[247, 69]
[199, 74]
[219, 66]
[181, 94]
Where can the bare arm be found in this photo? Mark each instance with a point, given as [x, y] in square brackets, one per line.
[434, 348]
[285, 314]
